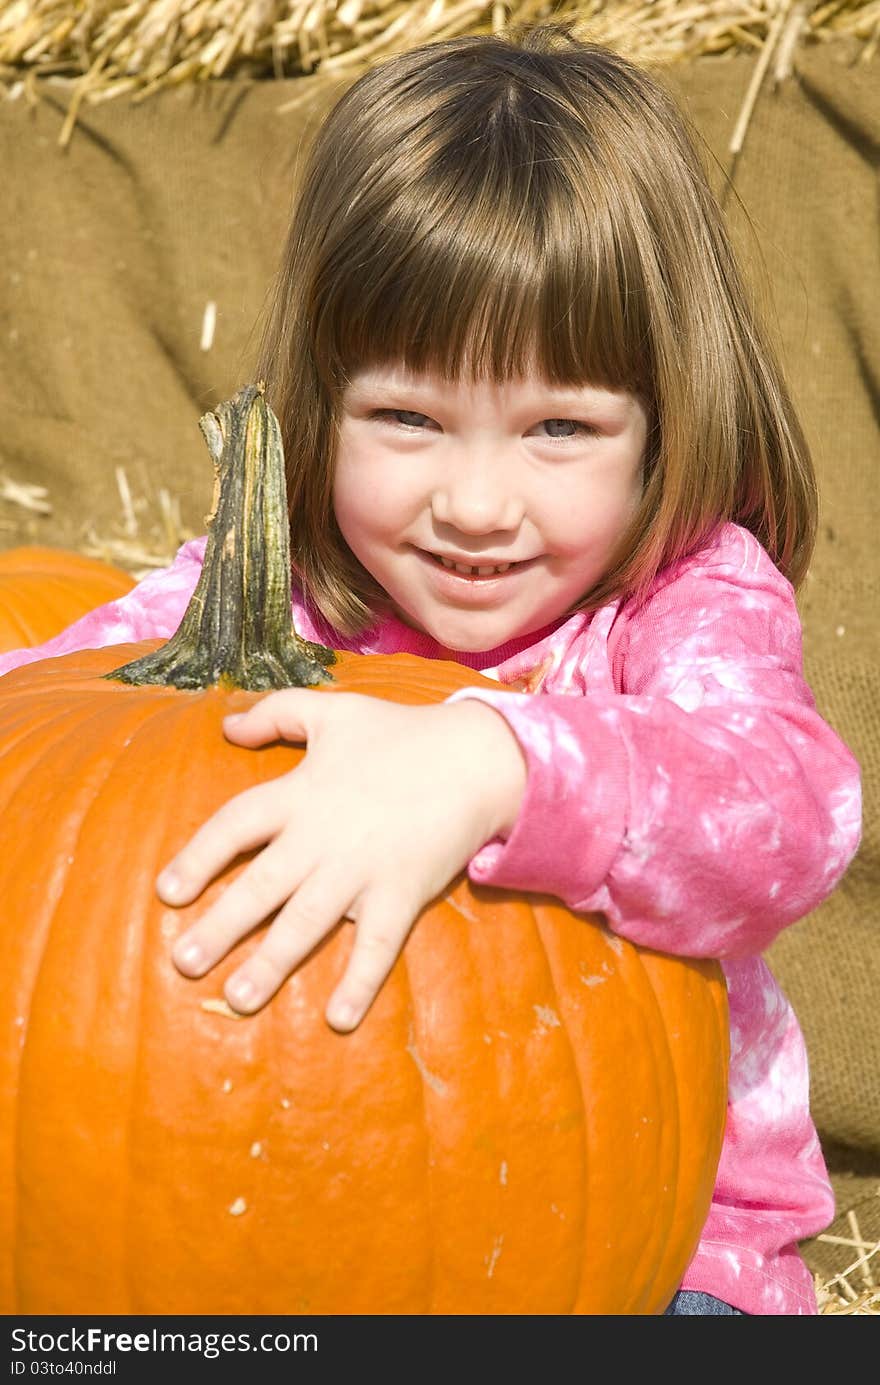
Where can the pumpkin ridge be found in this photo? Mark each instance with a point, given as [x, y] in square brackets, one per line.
[669, 1143]
[433, 1145]
[66, 714]
[42, 916]
[435, 1171]
[78, 673]
[152, 717]
[690, 994]
[526, 1055]
[43, 590]
[50, 593]
[672, 1114]
[542, 924]
[19, 628]
[472, 945]
[632, 1055]
[430, 1177]
[655, 1245]
[156, 711]
[470, 948]
[25, 724]
[444, 971]
[545, 921]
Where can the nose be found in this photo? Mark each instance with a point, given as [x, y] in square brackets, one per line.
[475, 496]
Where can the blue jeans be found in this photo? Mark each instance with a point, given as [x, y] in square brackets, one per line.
[689, 1303]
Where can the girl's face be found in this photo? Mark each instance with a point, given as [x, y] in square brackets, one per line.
[485, 511]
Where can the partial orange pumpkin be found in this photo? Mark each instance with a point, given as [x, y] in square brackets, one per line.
[43, 590]
[528, 1120]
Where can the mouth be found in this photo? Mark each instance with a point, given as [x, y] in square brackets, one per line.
[474, 571]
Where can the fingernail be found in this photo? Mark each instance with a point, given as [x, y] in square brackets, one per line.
[241, 992]
[169, 885]
[233, 716]
[190, 955]
[342, 1015]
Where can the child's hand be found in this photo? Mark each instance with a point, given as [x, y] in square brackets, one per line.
[385, 809]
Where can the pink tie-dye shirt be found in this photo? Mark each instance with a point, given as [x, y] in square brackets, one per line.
[681, 781]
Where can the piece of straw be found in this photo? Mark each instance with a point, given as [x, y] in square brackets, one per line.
[28, 497]
[745, 115]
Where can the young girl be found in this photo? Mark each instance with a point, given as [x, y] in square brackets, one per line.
[532, 424]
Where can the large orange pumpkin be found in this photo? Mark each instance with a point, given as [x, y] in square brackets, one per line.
[528, 1120]
[43, 590]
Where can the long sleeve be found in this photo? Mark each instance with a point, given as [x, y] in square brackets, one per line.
[697, 799]
[151, 610]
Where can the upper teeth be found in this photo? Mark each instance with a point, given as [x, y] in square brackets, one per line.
[469, 571]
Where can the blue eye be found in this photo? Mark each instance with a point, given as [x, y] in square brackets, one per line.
[405, 415]
[583, 427]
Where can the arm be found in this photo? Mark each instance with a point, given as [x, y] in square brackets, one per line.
[151, 610]
[705, 807]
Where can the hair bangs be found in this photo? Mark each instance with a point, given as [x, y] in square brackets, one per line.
[497, 259]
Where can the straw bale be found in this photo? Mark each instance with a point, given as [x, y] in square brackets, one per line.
[111, 47]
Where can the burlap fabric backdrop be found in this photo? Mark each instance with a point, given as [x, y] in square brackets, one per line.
[110, 252]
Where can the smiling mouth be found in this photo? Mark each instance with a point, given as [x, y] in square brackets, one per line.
[473, 569]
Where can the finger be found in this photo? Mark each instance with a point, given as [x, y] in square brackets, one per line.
[246, 821]
[260, 889]
[311, 913]
[283, 715]
[383, 924]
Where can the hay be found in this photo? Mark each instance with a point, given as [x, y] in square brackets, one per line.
[103, 49]
[855, 1289]
[112, 47]
[25, 496]
[864, 1304]
[139, 542]
[146, 535]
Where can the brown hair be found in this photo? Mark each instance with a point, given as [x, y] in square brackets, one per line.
[481, 205]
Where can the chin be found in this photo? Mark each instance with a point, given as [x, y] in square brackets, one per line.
[474, 646]
[471, 641]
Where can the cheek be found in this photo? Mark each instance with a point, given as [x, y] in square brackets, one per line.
[620, 491]
[360, 499]
[355, 488]
[596, 513]
[368, 501]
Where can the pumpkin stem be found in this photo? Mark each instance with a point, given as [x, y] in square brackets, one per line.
[237, 629]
